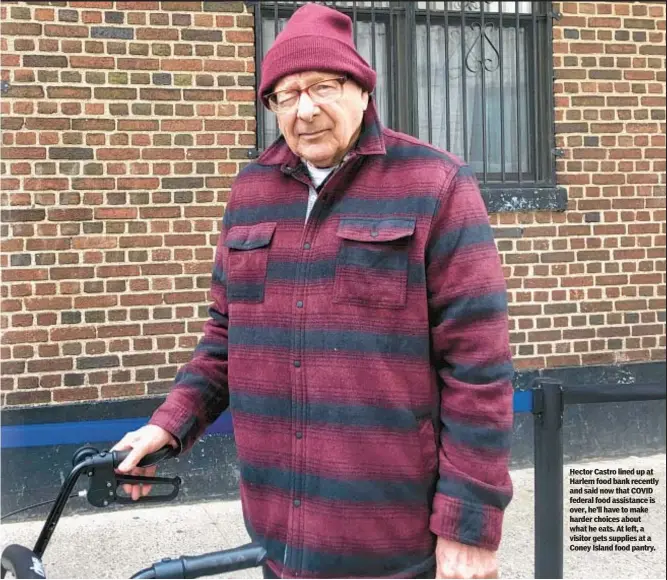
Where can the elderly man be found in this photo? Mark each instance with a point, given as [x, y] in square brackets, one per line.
[358, 333]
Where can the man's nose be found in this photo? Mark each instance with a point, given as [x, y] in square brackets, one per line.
[306, 108]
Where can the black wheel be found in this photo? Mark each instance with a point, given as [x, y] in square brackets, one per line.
[21, 562]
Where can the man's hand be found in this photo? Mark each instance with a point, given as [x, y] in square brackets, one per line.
[143, 441]
[455, 560]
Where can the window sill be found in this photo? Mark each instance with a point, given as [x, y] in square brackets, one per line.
[513, 199]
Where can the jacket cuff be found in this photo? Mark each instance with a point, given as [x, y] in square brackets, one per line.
[472, 524]
[174, 420]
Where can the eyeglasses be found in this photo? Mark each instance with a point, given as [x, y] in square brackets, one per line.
[321, 93]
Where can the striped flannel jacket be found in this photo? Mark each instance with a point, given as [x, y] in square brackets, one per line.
[364, 355]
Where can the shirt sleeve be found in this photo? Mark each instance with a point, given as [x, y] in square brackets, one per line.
[201, 390]
[470, 337]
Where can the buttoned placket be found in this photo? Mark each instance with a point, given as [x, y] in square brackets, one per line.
[295, 520]
[299, 387]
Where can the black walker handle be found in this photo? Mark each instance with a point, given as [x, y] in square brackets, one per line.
[247, 556]
[100, 467]
[151, 459]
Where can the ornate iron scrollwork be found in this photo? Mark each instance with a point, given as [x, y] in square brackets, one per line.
[472, 59]
[491, 63]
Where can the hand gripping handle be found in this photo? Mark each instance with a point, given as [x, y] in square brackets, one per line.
[151, 459]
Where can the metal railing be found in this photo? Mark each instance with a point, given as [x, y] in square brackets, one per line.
[549, 397]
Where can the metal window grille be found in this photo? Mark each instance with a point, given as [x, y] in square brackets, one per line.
[473, 78]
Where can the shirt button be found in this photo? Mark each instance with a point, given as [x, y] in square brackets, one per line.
[297, 502]
[299, 435]
[306, 246]
[299, 304]
[297, 363]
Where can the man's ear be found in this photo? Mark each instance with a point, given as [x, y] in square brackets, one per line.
[364, 99]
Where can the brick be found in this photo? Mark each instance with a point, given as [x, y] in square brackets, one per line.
[163, 154]
[138, 183]
[652, 50]
[146, 359]
[20, 29]
[41, 184]
[115, 214]
[122, 391]
[112, 32]
[31, 397]
[74, 379]
[240, 95]
[12, 123]
[68, 93]
[182, 182]
[66, 31]
[22, 215]
[223, 6]
[89, 183]
[114, 93]
[614, 48]
[24, 92]
[12, 368]
[614, 75]
[201, 35]
[24, 336]
[97, 362]
[75, 394]
[71, 273]
[117, 154]
[604, 22]
[50, 365]
[71, 214]
[585, 48]
[160, 94]
[43, 61]
[94, 62]
[136, 125]
[163, 34]
[203, 95]
[643, 23]
[70, 153]
[182, 6]
[571, 127]
[114, 17]
[182, 64]
[119, 331]
[93, 124]
[138, 63]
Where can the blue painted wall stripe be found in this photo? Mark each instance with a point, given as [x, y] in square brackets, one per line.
[81, 432]
[523, 401]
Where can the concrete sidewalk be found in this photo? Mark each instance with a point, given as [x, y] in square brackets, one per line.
[119, 543]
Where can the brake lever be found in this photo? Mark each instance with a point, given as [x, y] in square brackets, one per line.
[175, 483]
[104, 481]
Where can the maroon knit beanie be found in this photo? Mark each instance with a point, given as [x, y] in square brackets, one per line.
[315, 38]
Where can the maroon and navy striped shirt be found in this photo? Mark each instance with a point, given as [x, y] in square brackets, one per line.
[364, 355]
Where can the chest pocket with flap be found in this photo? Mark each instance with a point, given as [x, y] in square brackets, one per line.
[248, 257]
[372, 261]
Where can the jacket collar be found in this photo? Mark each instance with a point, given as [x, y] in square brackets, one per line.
[370, 142]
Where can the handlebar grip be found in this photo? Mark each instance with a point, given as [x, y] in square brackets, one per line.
[248, 556]
[222, 562]
[151, 459]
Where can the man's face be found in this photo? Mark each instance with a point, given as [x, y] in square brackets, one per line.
[322, 134]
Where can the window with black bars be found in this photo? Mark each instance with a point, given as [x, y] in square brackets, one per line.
[474, 78]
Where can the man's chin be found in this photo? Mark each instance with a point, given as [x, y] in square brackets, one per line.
[317, 158]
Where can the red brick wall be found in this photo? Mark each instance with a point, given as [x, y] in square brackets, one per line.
[596, 276]
[125, 123]
[123, 127]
